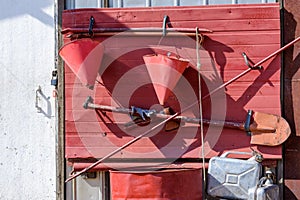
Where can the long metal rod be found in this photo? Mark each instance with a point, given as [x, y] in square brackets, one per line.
[178, 113]
[105, 30]
[254, 66]
[130, 34]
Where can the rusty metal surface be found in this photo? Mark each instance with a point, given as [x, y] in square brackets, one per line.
[291, 169]
[263, 120]
[158, 185]
[291, 98]
[291, 64]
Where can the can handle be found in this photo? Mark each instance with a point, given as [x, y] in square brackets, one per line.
[224, 155]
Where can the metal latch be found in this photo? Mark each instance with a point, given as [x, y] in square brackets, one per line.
[164, 26]
[247, 122]
[91, 26]
[54, 78]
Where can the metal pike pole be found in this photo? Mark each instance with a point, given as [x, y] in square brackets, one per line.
[178, 113]
[254, 66]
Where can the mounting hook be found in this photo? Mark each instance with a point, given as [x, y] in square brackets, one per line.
[88, 100]
[164, 26]
[91, 26]
[248, 64]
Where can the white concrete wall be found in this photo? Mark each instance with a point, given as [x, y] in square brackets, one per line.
[27, 137]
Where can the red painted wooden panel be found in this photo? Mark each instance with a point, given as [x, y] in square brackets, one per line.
[74, 18]
[253, 29]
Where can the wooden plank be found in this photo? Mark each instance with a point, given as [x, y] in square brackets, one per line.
[257, 87]
[214, 25]
[141, 15]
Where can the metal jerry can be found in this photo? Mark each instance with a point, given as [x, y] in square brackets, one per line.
[232, 178]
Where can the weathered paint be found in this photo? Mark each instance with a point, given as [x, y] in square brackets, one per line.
[71, 4]
[27, 136]
[158, 185]
[291, 100]
[236, 29]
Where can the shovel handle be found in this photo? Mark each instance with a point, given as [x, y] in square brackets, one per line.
[247, 126]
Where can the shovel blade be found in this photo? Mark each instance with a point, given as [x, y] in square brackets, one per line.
[280, 125]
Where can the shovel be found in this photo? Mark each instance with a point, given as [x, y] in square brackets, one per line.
[264, 129]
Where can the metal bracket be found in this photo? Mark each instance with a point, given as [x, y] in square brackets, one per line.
[38, 91]
[88, 100]
[91, 26]
[247, 123]
[89, 175]
[164, 26]
[257, 156]
[142, 113]
[247, 61]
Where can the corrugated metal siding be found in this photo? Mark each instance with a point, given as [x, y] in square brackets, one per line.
[71, 4]
[254, 29]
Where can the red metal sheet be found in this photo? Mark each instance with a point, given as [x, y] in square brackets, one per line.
[158, 185]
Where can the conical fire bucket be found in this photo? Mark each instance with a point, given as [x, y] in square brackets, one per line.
[165, 72]
[84, 57]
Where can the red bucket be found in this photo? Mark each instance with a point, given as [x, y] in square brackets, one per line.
[165, 72]
[84, 58]
[183, 184]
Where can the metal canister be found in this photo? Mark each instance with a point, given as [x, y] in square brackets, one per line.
[232, 178]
